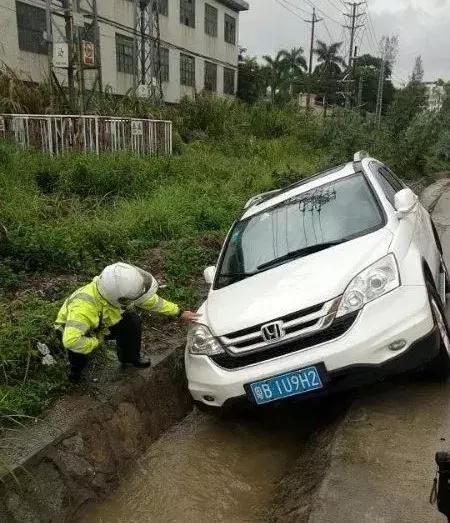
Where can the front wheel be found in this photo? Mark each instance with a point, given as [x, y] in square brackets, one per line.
[439, 367]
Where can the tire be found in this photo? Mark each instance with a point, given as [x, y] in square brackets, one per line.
[439, 368]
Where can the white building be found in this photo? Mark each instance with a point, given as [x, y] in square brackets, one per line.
[435, 94]
[199, 43]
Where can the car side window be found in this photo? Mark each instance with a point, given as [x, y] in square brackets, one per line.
[396, 180]
[389, 185]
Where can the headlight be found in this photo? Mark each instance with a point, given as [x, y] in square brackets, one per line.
[201, 341]
[378, 279]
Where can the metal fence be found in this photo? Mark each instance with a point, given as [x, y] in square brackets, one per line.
[57, 134]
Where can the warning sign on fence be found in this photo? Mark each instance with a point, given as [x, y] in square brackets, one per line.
[137, 129]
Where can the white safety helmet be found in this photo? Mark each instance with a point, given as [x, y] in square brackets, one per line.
[122, 285]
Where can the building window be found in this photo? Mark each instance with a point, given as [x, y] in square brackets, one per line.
[210, 77]
[230, 29]
[210, 20]
[31, 24]
[164, 52]
[228, 81]
[187, 70]
[187, 12]
[124, 54]
[163, 7]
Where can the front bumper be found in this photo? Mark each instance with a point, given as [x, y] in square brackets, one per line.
[403, 314]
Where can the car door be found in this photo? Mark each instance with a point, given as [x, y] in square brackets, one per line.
[422, 233]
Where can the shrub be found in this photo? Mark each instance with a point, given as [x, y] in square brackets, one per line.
[87, 181]
[268, 121]
[283, 178]
[47, 180]
[213, 116]
[8, 276]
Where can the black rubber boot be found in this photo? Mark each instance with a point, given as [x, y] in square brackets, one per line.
[77, 363]
[142, 364]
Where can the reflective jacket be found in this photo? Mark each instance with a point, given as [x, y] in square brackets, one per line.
[85, 317]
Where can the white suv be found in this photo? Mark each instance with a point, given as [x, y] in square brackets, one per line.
[333, 281]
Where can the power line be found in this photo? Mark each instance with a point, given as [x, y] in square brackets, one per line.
[307, 13]
[328, 31]
[323, 13]
[339, 9]
[371, 26]
[279, 2]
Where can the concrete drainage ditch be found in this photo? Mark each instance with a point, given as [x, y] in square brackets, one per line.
[76, 455]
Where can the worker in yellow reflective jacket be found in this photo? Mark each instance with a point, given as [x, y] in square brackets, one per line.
[105, 308]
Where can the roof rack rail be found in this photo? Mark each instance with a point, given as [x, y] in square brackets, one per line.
[259, 198]
[360, 155]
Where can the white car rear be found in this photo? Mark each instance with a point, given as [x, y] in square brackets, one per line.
[331, 282]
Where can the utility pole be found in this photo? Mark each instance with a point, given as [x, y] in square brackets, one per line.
[147, 50]
[389, 47]
[98, 53]
[360, 91]
[353, 27]
[49, 31]
[68, 20]
[314, 20]
[79, 54]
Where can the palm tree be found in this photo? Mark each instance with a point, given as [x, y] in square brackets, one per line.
[295, 65]
[275, 73]
[330, 63]
[329, 68]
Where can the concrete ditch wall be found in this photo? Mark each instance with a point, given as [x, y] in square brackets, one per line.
[77, 453]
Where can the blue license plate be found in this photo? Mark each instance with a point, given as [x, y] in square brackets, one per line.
[286, 385]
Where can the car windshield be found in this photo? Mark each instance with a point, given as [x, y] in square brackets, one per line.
[306, 223]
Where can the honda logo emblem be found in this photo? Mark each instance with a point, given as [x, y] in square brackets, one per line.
[272, 332]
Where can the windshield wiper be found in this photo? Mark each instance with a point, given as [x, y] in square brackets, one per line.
[300, 253]
[232, 274]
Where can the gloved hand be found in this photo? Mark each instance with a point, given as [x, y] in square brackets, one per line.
[189, 316]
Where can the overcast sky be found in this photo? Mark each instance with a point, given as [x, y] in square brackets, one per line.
[423, 27]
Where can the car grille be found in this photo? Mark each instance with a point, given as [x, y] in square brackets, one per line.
[337, 329]
[294, 325]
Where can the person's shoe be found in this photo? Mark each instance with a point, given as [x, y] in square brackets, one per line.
[141, 364]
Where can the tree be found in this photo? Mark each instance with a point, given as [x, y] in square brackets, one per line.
[417, 72]
[295, 65]
[408, 103]
[329, 62]
[328, 69]
[250, 79]
[367, 70]
[275, 74]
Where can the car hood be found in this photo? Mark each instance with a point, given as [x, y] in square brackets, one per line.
[293, 286]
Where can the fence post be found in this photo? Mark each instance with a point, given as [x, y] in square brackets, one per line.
[50, 136]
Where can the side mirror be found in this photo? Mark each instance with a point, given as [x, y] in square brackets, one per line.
[209, 274]
[405, 201]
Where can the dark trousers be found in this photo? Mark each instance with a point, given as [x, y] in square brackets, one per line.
[128, 335]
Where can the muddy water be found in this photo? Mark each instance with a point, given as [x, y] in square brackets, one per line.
[207, 470]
